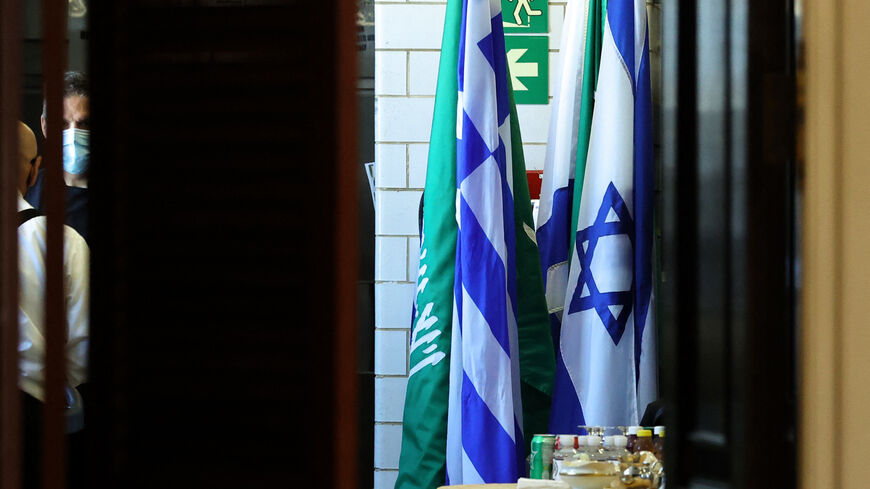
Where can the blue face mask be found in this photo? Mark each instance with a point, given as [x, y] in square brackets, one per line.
[76, 150]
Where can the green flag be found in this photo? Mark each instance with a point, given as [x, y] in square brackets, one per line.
[537, 359]
[594, 36]
[424, 430]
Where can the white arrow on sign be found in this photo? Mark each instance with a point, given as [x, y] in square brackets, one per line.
[520, 69]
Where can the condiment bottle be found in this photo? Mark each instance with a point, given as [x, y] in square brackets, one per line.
[619, 451]
[593, 444]
[582, 448]
[632, 438]
[566, 449]
[659, 442]
[644, 441]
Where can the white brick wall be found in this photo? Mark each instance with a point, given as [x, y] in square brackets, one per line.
[418, 155]
[392, 67]
[390, 391]
[409, 25]
[407, 41]
[403, 119]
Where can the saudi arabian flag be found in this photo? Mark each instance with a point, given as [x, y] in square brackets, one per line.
[424, 430]
[423, 456]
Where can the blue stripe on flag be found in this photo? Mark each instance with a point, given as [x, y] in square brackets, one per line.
[499, 67]
[520, 445]
[556, 330]
[491, 450]
[554, 236]
[507, 209]
[620, 17]
[487, 49]
[471, 151]
[643, 202]
[569, 416]
[457, 281]
[500, 155]
[487, 290]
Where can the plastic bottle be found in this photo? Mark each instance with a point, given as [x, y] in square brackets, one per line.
[566, 449]
[618, 450]
[659, 442]
[594, 448]
[607, 447]
[644, 441]
[632, 438]
[582, 448]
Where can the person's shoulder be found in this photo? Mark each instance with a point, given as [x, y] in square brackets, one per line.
[33, 195]
[34, 225]
[76, 254]
[38, 225]
[72, 239]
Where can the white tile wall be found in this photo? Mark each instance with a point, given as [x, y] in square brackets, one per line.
[391, 393]
[403, 119]
[392, 73]
[534, 122]
[418, 156]
[407, 41]
[410, 26]
[393, 303]
[388, 441]
[391, 165]
[398, 212]
[385, 479]
[389, 344]
[423, 72]
[535, 154]
[556, 19]
[387, 268]
[413, 258]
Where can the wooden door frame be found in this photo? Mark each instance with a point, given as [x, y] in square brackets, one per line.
[10, 109]
[836, 230]
[345, 381]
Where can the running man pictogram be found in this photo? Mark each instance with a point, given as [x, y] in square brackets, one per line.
[530, 12]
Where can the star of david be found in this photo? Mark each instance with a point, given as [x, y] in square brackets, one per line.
[613, 219]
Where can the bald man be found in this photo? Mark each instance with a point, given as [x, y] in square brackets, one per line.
[28, 168]
[31, 309]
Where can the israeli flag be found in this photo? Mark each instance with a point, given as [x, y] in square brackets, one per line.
[608, 341]
[557, 189]
[484, 436]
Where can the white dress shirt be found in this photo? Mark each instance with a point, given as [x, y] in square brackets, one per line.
[31, 306]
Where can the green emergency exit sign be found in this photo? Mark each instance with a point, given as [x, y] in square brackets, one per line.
[526, 16]
[528, 61]
[528, 56]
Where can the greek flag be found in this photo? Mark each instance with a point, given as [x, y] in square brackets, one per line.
[607, 342]
[484, 435]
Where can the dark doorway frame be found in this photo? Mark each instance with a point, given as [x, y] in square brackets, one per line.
[274, 403]
[729, 291]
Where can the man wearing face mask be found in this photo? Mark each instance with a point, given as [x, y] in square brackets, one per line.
[76, 152]
[31, 322]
